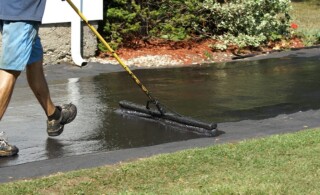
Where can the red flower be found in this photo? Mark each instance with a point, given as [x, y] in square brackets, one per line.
[294, 25]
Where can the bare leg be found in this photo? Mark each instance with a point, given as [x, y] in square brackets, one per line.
[39, 86]
[7, 82]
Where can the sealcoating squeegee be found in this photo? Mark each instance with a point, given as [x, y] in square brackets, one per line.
[153, 109]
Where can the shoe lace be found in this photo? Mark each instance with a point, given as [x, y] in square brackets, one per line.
[66, 106]
[3, 140]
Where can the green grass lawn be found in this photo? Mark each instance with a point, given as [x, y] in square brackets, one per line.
[307, 15]
[281, 164]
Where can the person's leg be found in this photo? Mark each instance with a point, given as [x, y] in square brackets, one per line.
[58, 116]
[17, 41]
[12, 61]
[39, 86]
[7, 81]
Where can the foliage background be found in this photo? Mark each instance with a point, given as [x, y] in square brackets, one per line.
[240, 22]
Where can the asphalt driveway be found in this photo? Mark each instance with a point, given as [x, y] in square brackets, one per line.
[234, 131]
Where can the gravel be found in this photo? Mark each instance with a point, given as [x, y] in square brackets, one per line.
[148, 61]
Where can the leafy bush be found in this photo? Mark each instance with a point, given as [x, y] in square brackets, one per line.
[127, 20]
[250, 22]
[245, 22]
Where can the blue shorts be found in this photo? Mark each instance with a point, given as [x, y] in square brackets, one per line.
[21, 44]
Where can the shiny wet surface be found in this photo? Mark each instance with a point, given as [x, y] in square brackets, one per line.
[220, 93]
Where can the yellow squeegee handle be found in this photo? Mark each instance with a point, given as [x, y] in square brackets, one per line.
[114, 54]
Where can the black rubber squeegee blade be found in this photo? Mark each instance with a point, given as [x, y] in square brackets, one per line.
[199, 127]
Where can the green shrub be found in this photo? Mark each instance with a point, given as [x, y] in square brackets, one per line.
[245, 22]
[127, 20]
[250, 22]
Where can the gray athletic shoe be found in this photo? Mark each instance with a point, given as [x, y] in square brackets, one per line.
[68, 113]
[5, 148]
